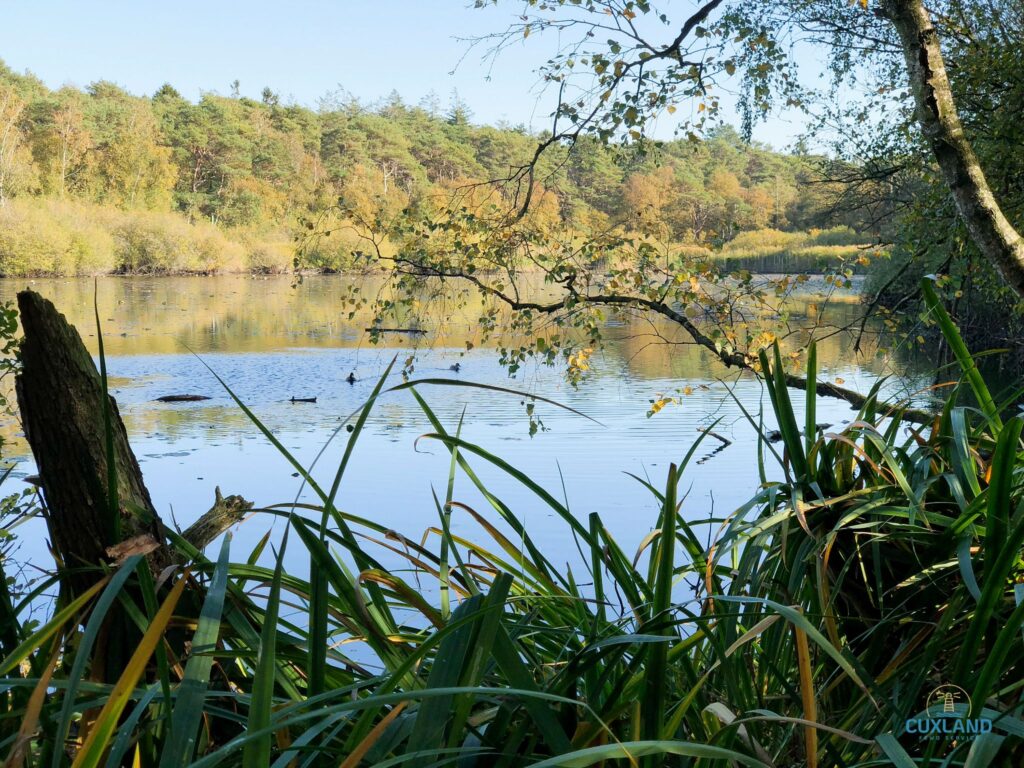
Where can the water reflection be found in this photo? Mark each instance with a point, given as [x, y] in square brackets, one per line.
[271, 341]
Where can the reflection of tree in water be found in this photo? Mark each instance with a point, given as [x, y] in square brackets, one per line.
[159, 316]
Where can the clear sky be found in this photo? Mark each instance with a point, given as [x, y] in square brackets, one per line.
[301, 49]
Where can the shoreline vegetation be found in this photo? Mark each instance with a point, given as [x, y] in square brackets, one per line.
[54, 238]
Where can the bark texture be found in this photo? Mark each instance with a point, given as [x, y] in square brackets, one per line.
[986, 223]
[60, 397]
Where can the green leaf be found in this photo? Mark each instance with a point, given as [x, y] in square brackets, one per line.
[257, 751]
[188, 706]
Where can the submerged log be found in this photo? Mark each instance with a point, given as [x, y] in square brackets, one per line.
[60, 396]
[181, 398]
[413, 331]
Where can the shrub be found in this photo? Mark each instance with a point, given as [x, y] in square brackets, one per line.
[52, 239]
[836, 236]
[163, 243]
[268, 256]
[765, 240]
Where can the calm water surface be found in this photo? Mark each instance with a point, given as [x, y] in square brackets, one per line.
[270, 341]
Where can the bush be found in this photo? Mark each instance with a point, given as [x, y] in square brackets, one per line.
[760, 240]
[163, 243]
[836, 236]
[268, 256]
[52, 239]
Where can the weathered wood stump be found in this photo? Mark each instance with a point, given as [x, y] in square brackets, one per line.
[60, 396]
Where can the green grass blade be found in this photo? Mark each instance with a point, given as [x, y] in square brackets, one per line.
[188, 706]
[113, 507]
[891, 749]
[963, 355]
[257, 751]
[633, 749]
[656, 671]
[811, 400]
[36, 640]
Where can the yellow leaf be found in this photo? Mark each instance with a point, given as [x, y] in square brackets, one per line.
[99, 738]
[356, 756]
[671, 109]
[687, 390]
[840, 380]
[658, 404]
[807, 697]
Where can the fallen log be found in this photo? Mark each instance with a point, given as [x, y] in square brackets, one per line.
[181, 398]
[225, 512]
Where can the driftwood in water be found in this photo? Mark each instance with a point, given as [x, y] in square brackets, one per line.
[181, 398]
[413, 331]
[302, 400]
[60, 396]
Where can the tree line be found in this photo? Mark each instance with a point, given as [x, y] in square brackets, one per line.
[258, 169]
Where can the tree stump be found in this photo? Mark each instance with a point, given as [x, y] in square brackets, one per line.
[60, 395]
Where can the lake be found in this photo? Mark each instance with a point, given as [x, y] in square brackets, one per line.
[271, 340]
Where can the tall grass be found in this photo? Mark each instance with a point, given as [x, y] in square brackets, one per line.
[818, 251]
[824, 611]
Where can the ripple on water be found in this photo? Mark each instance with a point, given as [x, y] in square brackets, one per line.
[270, 343]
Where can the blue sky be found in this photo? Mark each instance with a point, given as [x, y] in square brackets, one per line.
[302, 49]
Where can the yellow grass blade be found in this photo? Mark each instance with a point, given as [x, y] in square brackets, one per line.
[95, 746]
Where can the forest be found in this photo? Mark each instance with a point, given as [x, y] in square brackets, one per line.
[98, 180]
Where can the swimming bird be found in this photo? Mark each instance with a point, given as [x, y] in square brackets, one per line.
[457, 367]
[351, 378]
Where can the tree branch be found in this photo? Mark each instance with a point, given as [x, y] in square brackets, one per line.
[573, 299]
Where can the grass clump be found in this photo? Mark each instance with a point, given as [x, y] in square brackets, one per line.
[159, 243]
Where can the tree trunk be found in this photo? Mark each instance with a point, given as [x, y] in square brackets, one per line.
[988, 227]
[61, 401]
